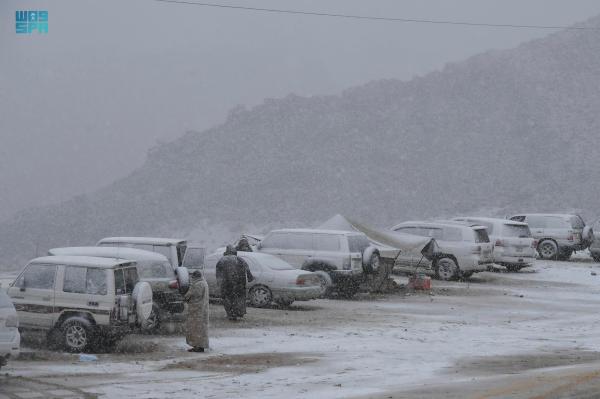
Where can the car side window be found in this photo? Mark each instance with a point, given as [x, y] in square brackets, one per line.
[451, 234]
[518, 218]
[131, 278]
[301, 241]
[274, 240]
[557, 223]
[536, 222]
[95, 282]
[38, 276]
[74, 279]
[119, 282]
[326, 242]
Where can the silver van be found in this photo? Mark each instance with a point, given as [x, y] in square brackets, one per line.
[558, 235]
[514, 247]
[465, 248]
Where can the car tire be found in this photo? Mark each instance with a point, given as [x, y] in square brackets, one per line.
[152, 324]
[446, 269]
[596, 258]
[325, 281]
[78, 336]
[513, 268]
[347, 288]
[260, 296]
[284, 303]
[466, 275]
[373, 262]
[547, 249]
[564, 254]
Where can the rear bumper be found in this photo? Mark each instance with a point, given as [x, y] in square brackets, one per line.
[10, 343]
[515, 260]
[297, 293]
[475, 263]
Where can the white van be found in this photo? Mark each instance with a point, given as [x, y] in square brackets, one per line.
[84, 301]
[10, 339]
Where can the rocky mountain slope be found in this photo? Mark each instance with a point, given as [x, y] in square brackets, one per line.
[513, 130]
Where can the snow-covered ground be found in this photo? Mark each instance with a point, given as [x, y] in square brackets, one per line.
[372, 346]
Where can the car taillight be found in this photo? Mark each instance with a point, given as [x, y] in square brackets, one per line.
[300, 281]
[12, 321]
[499, 243]
[534, 244]
[174, 284]
[570, 237]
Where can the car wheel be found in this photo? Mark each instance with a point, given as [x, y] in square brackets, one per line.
[260, 296]
[152, 324]
[513, 268]
[77, 335]
[347, 287]
[446, 269]
[547, 249]
[325, 282]
[596, 257]
[466, 275]
[564, 254]
[284, 302]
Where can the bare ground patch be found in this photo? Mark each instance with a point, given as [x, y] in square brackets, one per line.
[243, 364]
[514, 364]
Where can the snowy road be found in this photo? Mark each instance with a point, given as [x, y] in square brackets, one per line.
[498, 335]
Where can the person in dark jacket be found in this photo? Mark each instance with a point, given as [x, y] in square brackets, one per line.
[243, 245]
[232, 275]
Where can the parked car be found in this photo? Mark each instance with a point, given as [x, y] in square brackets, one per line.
[179, 252]
[595, 245]
[81, 301]
[153, 268]
[10, 339]
[465, 248]
[274, 280]
[558, 235]
[514, 247]
[340, 258]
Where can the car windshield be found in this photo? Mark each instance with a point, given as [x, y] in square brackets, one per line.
[5, 301]
[274, 263]
[516, 230]
[481, 235]
[358, 243]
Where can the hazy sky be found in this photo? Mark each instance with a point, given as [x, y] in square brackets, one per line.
[80, 106]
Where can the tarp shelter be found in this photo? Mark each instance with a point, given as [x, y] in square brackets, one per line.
[389, 242]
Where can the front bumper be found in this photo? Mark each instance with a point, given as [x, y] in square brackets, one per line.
[297, 293]
[10, 343]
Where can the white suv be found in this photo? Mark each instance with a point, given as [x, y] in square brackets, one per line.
[153, 268]
[464, 248]
[340, 258]
[514, 247]
[84, 301]
[558, 235]
[10, 339]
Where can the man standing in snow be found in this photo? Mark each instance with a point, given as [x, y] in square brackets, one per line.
[196, 334]
[232, 275]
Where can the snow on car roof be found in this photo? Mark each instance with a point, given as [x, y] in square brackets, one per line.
[561, 215]
[494, 220]
[109, 252]
[345, 232]
[439, 223]
[90, 261]
[143, 240]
